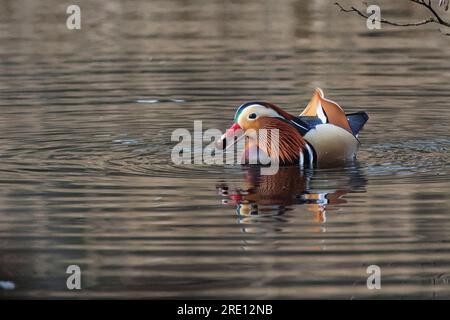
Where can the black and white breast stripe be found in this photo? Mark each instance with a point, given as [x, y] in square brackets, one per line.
[301, 126]
[307, 156]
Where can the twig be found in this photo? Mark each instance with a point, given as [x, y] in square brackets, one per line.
[435, 19]
[431, 9]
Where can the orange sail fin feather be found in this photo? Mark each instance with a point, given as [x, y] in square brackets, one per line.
[326, 110]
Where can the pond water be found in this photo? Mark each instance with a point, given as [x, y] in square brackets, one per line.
[86, 176]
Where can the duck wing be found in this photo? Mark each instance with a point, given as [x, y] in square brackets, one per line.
[326, 110]
[322, 111]
[356, 121]
[327, 128]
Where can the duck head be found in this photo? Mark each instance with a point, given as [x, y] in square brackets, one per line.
[249, 120]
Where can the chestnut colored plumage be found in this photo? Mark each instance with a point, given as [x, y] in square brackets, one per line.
[280, 111]
[290, 141]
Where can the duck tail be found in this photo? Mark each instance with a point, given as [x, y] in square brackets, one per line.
[357, 121]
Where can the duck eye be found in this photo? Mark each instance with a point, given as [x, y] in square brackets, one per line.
[252, 116]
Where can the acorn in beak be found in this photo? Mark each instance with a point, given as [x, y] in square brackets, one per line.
[230, 137]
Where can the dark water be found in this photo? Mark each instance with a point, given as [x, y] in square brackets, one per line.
[86, 176]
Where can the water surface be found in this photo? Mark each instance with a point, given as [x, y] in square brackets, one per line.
[85, 142]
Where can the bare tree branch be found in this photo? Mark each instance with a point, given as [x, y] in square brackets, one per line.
[382, 20]
[431, 9]
[427, 4]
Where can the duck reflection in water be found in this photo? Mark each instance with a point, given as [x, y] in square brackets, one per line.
[272, 195]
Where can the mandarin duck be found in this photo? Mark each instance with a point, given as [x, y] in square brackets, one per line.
[321, 135]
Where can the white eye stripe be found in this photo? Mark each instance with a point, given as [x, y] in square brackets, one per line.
[256, 105]
[259, 110]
